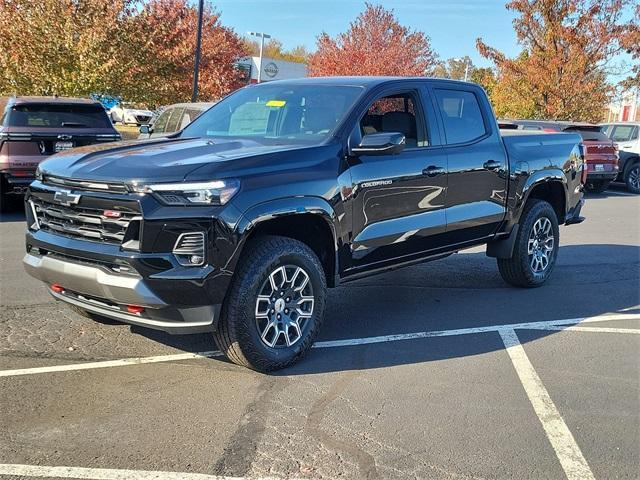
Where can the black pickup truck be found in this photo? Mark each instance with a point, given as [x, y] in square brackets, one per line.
[239, 223]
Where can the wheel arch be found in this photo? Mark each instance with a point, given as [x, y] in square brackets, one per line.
[310, 220]
[551, 188]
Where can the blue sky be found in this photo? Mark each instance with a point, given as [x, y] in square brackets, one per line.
[453, 25]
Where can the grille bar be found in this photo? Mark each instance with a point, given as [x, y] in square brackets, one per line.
[76, 221]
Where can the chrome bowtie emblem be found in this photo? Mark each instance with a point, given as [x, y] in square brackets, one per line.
[64, 197]
[64, 137]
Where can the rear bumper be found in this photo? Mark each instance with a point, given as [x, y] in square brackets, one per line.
[602, 176]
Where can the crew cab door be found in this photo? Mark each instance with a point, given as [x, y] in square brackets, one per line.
[398, 200]
[478, 169]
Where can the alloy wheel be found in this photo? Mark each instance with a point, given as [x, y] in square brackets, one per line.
[284, 306]
[540, 245]
[634, 177]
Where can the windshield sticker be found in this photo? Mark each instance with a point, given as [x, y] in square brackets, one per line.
[276, 103]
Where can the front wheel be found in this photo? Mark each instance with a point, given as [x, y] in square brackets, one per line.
[632, 178]
[275, 305]
[536, 247]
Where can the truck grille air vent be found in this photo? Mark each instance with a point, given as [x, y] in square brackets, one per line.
[189, 248]
[81, 222]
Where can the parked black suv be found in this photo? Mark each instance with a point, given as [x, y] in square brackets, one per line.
[240, 222]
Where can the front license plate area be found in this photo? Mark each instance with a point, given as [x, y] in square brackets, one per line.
[599, 168]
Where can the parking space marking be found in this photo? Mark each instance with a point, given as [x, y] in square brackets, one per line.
[103, 473]
[573, 328]
[573, 462]
[108, 363]
[564, 324]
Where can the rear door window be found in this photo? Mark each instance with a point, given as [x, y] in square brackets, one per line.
[461, 115]
[58, 116]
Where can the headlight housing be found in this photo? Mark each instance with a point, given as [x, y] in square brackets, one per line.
[38, 173]
[217, 192]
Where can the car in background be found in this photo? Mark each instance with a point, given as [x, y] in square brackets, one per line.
[127, 114]
[33, 128]
[174, 118]
[601, 153]
[627, 136]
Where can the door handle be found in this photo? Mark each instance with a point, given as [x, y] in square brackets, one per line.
[491, 165]
[433, 171]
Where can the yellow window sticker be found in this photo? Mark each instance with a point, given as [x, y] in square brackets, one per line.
[276, 103]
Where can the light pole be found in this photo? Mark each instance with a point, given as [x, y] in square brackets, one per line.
[262, 37]
[196, 67]
[467, 64]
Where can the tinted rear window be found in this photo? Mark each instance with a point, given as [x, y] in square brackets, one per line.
[589, 133]
[58, 116]
[461, 114]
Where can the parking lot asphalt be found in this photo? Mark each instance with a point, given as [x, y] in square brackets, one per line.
[435, 371]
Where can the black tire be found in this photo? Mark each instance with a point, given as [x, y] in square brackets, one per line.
[518, 270]
[597, 186]
[632, 177]
[238, 335]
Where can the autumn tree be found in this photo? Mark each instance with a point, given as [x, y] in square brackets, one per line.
[631, 43]
[64, 47]
[166, 33]
[273, 48]
[568, 46]
[375, 44]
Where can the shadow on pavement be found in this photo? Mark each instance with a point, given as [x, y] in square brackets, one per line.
[463, 291]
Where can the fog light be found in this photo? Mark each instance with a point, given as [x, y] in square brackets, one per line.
[135, 309]
[57, 288]
[196, 260]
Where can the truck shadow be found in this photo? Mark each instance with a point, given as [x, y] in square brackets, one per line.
[461, 292]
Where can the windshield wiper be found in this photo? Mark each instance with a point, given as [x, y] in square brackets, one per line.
[73, 124]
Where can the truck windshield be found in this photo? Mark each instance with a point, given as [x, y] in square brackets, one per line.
[280, 113]
[58, 116]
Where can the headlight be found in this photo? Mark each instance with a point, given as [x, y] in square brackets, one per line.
[217, 192]
[38, 174]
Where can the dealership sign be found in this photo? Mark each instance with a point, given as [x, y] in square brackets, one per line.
[271, 69]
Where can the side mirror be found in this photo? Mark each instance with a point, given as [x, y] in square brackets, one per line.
[146, 129]
[385, 143]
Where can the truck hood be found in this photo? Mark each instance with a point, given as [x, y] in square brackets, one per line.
[157, 160]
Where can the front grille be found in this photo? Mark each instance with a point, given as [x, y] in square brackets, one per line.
[82, 222]
[85, 185]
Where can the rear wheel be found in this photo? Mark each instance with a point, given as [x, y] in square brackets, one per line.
[632, 178]
[536, 247]
[275, 305]
[597, 186]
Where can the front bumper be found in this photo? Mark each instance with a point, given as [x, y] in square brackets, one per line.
[95, 289]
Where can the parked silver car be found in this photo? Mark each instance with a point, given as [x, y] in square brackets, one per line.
[173, 118]
[627, 136]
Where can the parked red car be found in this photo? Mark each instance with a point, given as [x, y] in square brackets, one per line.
[601, 153]
[32, 128]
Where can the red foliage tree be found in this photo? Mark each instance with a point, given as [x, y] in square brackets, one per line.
[568, 49]
[375, 44]
[168, 28]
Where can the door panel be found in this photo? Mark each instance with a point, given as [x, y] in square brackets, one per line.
[477, 177]
[396, 208]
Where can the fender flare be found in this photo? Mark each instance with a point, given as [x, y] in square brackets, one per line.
[283, 207]
[536, 179]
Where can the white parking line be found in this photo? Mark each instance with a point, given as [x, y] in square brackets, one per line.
[103, 473]
[326, 344]
[559, 435]
[573, 328]
[107, 363]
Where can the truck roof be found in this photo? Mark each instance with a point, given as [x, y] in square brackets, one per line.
[366, 82]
